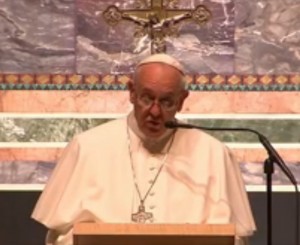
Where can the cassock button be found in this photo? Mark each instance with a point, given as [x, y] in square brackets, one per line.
[152, 194]
[151, 168]
[152, 206]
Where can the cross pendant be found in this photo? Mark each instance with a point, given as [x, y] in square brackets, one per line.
[141, 216]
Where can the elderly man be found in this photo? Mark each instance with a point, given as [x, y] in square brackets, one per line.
[135, 170]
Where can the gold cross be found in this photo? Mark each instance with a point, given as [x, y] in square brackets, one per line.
[141, 216]
[158, 21]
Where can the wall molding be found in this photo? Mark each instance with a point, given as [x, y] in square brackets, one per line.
[195, 82]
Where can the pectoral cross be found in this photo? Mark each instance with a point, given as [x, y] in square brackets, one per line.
[141, 216]
[158, 21]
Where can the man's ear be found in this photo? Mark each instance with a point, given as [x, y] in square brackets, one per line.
[183, 96]
[131, 88]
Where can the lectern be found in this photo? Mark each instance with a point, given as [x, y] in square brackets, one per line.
[152, 234]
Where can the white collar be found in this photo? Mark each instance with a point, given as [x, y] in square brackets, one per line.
[156, 145]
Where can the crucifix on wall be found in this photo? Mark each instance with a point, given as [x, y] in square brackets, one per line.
[158, 20]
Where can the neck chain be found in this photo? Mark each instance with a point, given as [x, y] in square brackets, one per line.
[141, 216]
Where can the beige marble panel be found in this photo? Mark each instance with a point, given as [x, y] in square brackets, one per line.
[243, 102]
[53, 154]
[64, 101]
[30, 154]
[260, 155]
[117, 102]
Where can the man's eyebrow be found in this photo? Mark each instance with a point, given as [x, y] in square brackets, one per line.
[146, 90]
[169, 94]
[150, 92]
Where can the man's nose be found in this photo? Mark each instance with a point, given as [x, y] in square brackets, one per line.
[155, 109]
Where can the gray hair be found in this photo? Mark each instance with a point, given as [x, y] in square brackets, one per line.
[163, 59]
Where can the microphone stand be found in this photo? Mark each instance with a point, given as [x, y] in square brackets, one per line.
[273, 157]
[269, 170]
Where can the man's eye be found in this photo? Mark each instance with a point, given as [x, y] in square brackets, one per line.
[167, 102]
[146, 99]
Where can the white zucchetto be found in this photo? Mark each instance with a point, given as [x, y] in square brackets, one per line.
[162, 58]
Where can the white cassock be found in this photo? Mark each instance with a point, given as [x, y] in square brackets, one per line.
[199, 182]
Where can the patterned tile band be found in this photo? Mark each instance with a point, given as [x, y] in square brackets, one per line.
[213, 82]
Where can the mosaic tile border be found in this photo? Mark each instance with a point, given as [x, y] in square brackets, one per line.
[198, 82]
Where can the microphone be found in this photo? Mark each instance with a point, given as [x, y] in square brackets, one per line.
[274, 156]
[268, 169]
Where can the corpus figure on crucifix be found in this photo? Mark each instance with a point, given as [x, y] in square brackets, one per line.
[157, 22]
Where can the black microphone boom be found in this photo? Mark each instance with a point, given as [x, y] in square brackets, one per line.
[264, 141]
[268, 169]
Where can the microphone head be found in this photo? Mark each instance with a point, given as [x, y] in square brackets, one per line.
[170, 124]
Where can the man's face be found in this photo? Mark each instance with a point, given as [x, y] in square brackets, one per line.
[156, 95]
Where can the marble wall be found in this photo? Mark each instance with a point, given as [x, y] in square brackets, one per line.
[63, 69]
[68, 36]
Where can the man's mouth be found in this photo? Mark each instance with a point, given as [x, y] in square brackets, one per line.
[153, 125]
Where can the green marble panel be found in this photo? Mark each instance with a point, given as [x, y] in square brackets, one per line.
[44, 130]
[276, 130]
[63, 129]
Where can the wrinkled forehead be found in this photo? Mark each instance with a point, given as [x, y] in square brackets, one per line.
[160, 78]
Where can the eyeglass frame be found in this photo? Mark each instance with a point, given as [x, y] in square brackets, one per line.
[148, 101]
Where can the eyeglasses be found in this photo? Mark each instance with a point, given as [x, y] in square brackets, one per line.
[167, 104]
